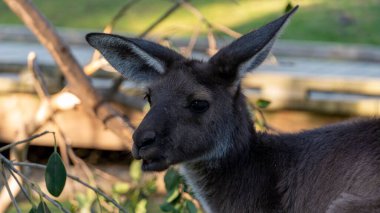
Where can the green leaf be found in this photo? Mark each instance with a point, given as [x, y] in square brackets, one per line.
[81, 199]
[173, 194]
[261, 103]
[288, 7]
[33, 210]
[172, 179]
[59, 204]
[121, 188]
[167, 207]
[150, 187]
[135, 170]
[141, 206]
[178, 208]
[43, 208]
[190, 206]
[55, 175]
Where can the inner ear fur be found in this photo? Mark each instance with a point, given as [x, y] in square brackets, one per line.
[249, 51]
[136, 59]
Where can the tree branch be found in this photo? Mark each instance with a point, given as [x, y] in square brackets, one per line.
[188, 6]
[77, 179]
[161, 18]
[6, 184]
[78, 82]
[10, 167]
[120, 80]
[3, 148]
[26, 194]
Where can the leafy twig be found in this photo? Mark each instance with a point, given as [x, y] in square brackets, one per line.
[263, 119]
[109, 199]
[9, 164]
[42, 92]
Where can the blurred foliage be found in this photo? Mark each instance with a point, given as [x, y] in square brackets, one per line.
[289, 6]
[42, 208]
[322, 20]
[262, 103]
[179, 197]
[134, 195]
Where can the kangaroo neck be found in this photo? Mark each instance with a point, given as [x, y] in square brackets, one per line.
[238, 181]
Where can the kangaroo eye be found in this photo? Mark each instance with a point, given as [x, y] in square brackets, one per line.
[199, 106]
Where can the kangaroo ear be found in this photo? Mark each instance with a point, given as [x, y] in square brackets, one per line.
[249, 51]
[136, 59]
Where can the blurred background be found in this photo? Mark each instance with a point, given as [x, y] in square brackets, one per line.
[324, 69]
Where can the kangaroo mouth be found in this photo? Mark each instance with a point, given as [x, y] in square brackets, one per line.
[154, 165]
[152, 157]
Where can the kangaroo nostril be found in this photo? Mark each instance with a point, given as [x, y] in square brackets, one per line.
[147, 138]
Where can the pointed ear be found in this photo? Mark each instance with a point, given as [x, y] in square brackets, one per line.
[249, 51]
[136, 59]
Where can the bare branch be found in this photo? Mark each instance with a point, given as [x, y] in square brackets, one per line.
[95, 64]
[3, 148]
[78, 82]
[119, 15]
[193, 40]
[21, 186]
[226, 30]
[40, 84]
[4, 180]
[196, 13]
[82, 165]
[212, 46]
[171, 10]
[188, 6]
[105, 175]
[91, 67]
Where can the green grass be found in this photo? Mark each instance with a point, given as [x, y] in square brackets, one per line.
[354, 21]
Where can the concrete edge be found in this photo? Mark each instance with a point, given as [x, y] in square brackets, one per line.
[289, 48]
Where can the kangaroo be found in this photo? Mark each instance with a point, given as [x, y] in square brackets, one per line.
[199, 120]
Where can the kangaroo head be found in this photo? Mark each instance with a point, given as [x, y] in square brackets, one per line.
[194, 104]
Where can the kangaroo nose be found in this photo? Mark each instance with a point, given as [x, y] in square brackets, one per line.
[146, 138]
